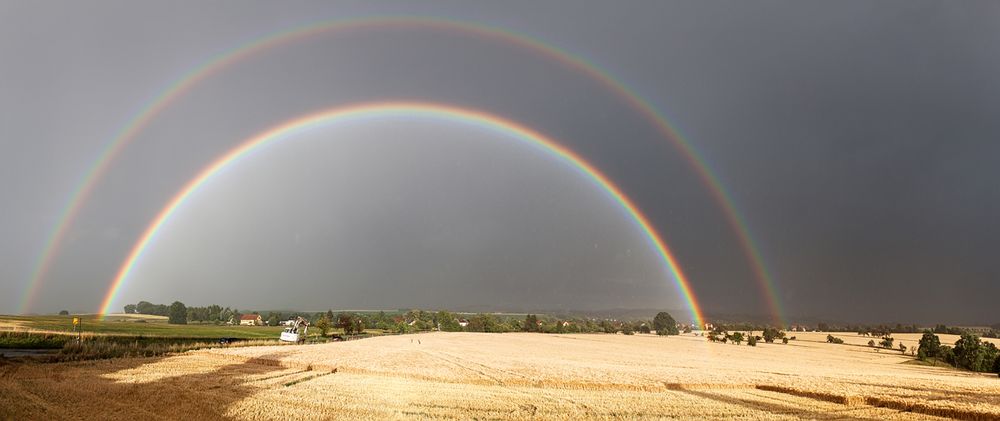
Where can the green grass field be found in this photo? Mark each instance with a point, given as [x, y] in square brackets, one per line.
[149, 326]
[118, 336]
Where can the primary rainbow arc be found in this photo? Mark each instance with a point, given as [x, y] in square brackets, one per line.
[418, 109]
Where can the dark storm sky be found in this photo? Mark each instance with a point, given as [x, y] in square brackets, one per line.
[859, 140]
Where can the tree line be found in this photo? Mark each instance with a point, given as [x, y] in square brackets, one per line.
[407, 321]
[179, 313]
[969, 352]
[722, 333]
[443, 320]
[881, 330]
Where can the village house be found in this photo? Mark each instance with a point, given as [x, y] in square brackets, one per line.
[251, 320]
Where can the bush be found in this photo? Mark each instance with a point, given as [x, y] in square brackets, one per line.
[32, 340]
[947, 354]
[784, 341]
[834, 340]
[402, 328]
[752, 341]
[871, 343]
[64, 312]
[770, 334]
[886, 342]
[118, 347]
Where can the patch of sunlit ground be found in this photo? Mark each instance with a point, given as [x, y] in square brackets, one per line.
[504, 376]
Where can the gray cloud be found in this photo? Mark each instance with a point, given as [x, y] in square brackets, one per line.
[858, 140]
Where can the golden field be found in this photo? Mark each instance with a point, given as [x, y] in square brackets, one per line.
[910, 339]
[507, 376]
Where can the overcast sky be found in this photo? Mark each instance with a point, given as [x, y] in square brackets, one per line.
[860, 141]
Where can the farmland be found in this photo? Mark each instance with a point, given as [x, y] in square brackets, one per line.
[910, 339]
[133, 325]
[506, 376]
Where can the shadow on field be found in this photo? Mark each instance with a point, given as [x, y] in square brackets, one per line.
[794, 409]
[34, 391]
[941, 393]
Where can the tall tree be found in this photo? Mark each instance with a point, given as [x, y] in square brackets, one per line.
[346, 321]
[447, 322]
[973, 354]
[664, 324]
[324, 325]
[358, 321]
[530, 323]
[145, 307]
[214, 312]
[930, 346]
[273, 319]
[178, 313]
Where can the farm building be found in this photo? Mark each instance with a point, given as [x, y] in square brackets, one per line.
[251, 320]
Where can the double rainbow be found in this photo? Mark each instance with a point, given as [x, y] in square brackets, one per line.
[217, 63]
[410, 109]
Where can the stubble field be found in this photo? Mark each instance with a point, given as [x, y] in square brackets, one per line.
[505, 376]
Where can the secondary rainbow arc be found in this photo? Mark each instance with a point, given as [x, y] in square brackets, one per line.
[326, 117]
[217, 63]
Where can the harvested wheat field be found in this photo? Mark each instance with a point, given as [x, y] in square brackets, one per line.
[504, 376]
[910, 339]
